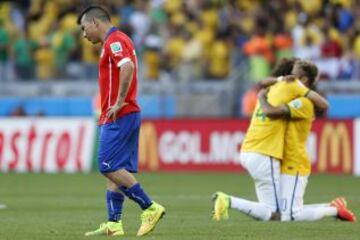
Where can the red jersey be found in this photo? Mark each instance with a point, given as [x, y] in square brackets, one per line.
[117, 50]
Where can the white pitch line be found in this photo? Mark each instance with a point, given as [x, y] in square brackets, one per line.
[2, 206]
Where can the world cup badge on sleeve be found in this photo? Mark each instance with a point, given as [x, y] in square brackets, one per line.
[115, 47]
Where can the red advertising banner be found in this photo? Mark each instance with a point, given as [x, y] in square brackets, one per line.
[213, 145]
[46, 144]
[191, 145]
[66, 145]
[332, 150]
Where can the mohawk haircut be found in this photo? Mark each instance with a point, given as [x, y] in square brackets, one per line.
[284, 67]
[309, 69]
[94, 12]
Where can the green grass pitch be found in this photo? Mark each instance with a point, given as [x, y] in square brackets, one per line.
[41, 206]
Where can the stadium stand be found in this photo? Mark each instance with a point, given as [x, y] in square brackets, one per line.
[203, 52]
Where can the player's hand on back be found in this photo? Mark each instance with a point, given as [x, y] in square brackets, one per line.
[289, 78]
[263, 92]
[266, 83]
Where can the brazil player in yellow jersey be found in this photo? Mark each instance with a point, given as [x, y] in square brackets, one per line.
[262, 151]
[296, 165]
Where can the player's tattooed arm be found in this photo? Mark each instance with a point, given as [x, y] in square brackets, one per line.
[270, 111]
[267, 82]
[319, 101]
[126, 74]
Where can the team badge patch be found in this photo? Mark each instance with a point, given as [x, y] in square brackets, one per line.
[296, 103]
[115, 47]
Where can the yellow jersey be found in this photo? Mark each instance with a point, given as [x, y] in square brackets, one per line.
[296, 160]
[265, 135]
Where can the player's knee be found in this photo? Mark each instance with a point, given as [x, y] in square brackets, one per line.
[285, 217]
[112, 186]
[266, 213]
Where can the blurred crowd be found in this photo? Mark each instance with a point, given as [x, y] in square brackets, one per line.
[186, 40]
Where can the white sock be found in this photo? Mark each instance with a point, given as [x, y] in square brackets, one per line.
[315, 213]
[254, 209]
[317, 205]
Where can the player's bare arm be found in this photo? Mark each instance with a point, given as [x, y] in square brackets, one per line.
[269, 110]
[319, 101]
[267, 82]
[126, 73]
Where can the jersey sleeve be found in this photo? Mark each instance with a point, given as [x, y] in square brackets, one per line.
[119, 52]
[300, 108]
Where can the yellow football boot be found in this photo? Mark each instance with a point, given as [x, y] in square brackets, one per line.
[150, 217]
[108, 229]
[221, 206]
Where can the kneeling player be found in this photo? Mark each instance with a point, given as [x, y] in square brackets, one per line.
[262, 151]
[296, 165]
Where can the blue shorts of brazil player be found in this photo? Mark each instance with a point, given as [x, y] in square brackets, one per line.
[118, 144]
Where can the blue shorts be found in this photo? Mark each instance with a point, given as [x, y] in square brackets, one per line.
[118, 144]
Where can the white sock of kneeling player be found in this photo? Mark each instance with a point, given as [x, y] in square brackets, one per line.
[317, 205]
[315, 213]
[253, 209]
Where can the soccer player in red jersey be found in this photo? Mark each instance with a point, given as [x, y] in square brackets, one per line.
[119, 123]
